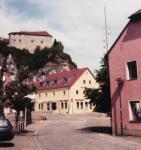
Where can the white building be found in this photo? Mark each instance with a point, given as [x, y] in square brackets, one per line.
[30, 40]
[63, 92]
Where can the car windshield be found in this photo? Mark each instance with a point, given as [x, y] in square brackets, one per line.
[3, 123]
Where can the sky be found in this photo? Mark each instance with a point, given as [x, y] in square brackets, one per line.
[78, 24]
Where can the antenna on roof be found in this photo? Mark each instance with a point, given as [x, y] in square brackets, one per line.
[106, 30]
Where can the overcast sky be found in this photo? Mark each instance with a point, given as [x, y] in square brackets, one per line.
[78, 24]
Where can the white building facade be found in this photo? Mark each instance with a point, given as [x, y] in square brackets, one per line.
[30, 40]
[64, 92]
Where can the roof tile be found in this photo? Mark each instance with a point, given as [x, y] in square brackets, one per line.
[60, 80]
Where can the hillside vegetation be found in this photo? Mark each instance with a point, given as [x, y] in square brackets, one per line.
[39, 58]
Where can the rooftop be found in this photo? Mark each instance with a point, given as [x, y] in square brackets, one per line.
[36, 33]
[60, 80]
[136, 15]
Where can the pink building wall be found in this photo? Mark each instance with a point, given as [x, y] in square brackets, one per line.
[127, 48]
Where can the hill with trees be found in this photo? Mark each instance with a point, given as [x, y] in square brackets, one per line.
[39, 58]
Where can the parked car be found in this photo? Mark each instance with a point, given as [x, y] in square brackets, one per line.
[6, 130]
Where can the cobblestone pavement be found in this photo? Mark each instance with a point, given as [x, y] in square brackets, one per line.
[82, 132]
[71, 132]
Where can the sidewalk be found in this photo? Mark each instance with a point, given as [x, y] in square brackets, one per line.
[27, 139]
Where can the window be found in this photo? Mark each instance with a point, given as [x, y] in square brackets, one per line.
[32, 41]
[86, 104]
[135, 111]
[4, 123]
[41, 105]
[48, 106]
[84, 81]
[64, 92]
[55, 81]
[65, 81]
[66, 105]
[42, 42]
[46, 94]
[77, 104]
[54, 106]
[89, 81]
[132, 70]
[39, 95]
[62, 105]
[84, 92]
[20, 41]
[47, 82]
[53, 93]
[76, 91]
[81, 105]
[90, 106]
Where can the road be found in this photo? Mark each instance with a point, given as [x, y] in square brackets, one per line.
[80, 132]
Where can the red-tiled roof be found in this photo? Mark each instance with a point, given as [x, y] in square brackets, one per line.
[37, 33]
[60, 80]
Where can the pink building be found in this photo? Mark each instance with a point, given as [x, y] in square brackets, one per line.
[125, 78]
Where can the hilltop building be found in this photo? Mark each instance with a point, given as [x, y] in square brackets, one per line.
[30, 40]
[63, 92]
[125, 78]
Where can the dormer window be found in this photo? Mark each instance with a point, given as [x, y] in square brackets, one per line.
[55, 81]
[65, 80]
[47, 82]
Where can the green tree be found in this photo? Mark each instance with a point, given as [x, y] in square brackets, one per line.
[101, 97]
[16, 94]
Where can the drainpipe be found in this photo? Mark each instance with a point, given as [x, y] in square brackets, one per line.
[120, 84]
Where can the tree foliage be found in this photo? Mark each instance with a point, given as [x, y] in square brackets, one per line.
[39, 58]
[101, 97]
[15, 94]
